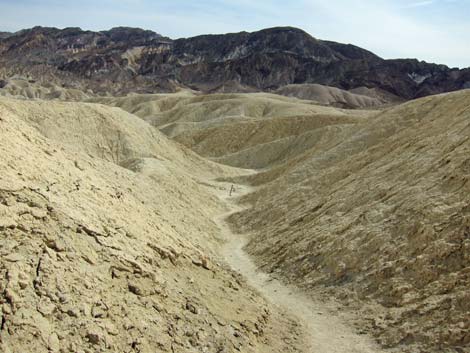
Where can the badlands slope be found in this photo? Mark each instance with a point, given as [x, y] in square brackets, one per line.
[107, 242]
[107, 224]
[331, 96]
[368, 207]
[254, 130]
[380, 220]
[22, 88]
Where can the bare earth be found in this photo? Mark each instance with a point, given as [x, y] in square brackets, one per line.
[117, 232]
[324, 331]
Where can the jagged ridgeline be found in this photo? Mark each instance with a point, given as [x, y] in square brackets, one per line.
[124, 60]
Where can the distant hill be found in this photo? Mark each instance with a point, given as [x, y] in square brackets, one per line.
[124, 60]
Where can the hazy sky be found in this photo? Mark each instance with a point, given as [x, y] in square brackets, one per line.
[432, 30]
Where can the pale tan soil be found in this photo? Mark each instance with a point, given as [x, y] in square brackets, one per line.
[326, 331]
[95, 257]
[222, 140]
[379, 220]
[377, 93]
[24, 89]
[186, 106]
[365, 213]
[330, 96]
[374, 213]
[277, 152]
[230, 127]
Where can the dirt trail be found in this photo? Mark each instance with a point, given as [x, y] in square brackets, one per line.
[326, 332]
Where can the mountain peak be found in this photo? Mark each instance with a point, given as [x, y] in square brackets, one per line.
[124, 59]
[284, 29]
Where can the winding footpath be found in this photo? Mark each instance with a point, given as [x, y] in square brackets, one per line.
[326, 332]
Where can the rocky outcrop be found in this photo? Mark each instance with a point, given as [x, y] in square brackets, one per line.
[123, 60]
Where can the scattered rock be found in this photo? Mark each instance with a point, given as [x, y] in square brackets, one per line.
[53, 343]
[78, 165]
[57, 245]
[135, 288]
[14, 258]
[203, 262]
[73, 312]
[46, 308]
[93, 336]
[38, 213]
[192, 307]
[99, 310]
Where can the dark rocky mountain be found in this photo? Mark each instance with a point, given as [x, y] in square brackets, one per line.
[129, 59]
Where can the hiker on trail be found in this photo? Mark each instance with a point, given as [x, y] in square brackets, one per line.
[232, 189]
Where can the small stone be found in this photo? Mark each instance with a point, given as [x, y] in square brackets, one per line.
[110, 328]
[13, 298]
[32, 204]
[24, 228]
[78, 166]
[93, 337]
[46, 308]
[6, 309]
[73, 312]
[7, 223]
[98, 311]
[63, 298]
[192, 308]
[14, 258]
[38, 214]
[203, 262]
[134, 288]
[85, 309]
[57, 245]
[90, 257]
[53, 343]
[197, 262]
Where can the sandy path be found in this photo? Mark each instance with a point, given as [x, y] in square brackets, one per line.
[327, 332]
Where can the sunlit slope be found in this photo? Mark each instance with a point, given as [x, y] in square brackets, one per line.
[99, 257]
[106, 132]
[381, 218]
[330, 96]
[27, 89]
[281, 153]
[225, 126]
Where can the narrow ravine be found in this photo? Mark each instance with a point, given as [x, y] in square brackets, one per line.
[326, 333]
